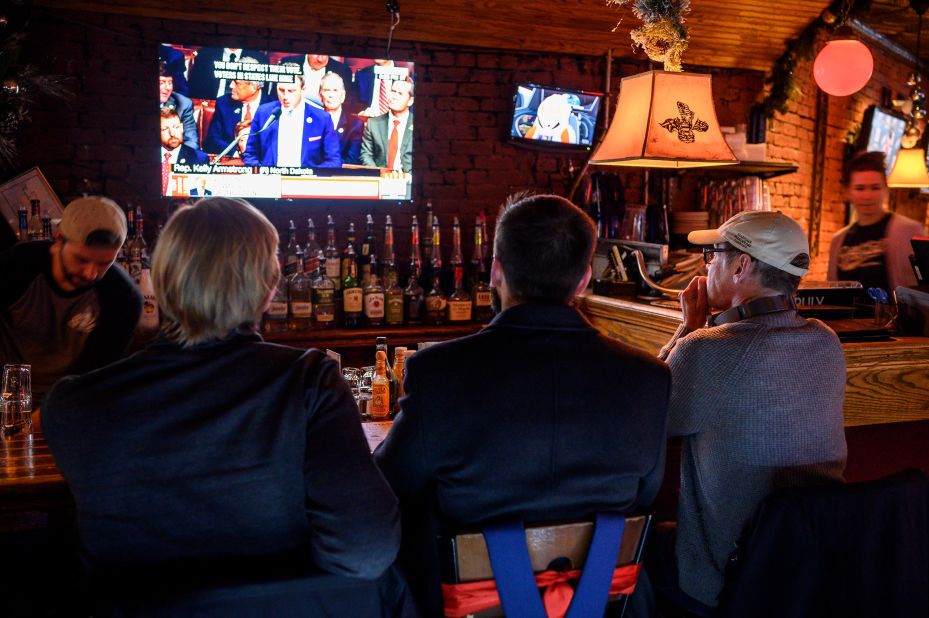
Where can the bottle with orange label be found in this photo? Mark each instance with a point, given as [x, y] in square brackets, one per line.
[379, 407]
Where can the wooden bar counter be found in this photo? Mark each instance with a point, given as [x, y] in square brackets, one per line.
[888, 381]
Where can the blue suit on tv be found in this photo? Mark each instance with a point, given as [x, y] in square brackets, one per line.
[227, 115]
[320, 140]
[350, 131]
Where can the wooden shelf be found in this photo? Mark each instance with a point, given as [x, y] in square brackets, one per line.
[762, 169]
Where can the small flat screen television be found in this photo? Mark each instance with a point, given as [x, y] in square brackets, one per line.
[882, 130]
[549, 117]
[272, 124]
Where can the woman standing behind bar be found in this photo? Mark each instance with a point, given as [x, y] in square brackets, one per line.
[875, 249]
[212, 455]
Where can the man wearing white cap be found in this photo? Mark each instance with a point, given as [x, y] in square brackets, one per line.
[63, 309]
[757, 394]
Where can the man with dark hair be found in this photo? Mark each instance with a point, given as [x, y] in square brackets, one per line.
[178, 102]
[63, 309]
[757, 395]
[875, 248]
[537, 417]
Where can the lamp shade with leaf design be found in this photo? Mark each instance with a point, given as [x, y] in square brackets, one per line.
[664, 119]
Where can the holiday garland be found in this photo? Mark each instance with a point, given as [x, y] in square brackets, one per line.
[663, 35]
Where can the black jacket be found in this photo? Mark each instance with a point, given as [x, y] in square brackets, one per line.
[537, 417]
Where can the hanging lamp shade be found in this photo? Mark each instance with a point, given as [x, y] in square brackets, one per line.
[664, 119]
[909, 170]
[844, 65]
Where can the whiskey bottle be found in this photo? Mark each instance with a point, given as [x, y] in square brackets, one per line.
[413, 297]
[393, 299]
[290, 253]
[374, 301]
[459, 301]
[312, 252]
[481, 295]
[389, 261]
[300, 297]
[276, 316]
[379, 407]
[380, 346]
[435, 263]
[352, 294]
[435, 303]
[425, 272]
[331, 253]
[368, 250]
[350, 245]
[323, 299]
[138, 250]
[149, 321]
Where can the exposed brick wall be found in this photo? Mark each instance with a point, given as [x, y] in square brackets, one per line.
[104, 140]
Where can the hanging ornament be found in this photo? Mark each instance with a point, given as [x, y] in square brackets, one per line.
[844, 65]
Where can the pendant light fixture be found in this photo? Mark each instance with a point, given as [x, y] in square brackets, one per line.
[664, 118]
[909, 171]
[844, 65]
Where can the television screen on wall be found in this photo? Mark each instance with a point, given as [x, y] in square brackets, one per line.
[550, 117]
[271, 124]
[882, 131]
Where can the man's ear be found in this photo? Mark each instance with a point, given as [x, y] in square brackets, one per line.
[585, 280]
[496, 273]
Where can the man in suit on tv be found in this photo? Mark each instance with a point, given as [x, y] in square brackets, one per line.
[292, 132]
[236, 108]
[173, 148]
[388, 139]
[203, 82]
[177, 101]
[373, 85]
[315, 66]
[349, 128]
[176, 67]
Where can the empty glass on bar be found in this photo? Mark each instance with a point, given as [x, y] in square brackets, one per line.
[16, 400]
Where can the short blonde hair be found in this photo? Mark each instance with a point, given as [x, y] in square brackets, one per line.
[214, 268]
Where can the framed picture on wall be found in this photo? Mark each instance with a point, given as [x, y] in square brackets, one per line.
[19, 191]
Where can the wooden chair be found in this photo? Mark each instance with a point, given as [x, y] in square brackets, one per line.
[556, 552]
[203, 115]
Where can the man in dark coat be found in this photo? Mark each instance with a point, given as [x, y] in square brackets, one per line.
[537, 417]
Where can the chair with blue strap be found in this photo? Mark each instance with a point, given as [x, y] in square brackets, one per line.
[508, 569]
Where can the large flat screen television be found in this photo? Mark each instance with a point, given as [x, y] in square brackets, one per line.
[557, 118]
[271, 124]
[882, 131]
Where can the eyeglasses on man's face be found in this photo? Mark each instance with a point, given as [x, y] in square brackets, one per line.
[709, 253]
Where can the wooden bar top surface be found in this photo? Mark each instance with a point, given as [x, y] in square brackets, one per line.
[888, 381]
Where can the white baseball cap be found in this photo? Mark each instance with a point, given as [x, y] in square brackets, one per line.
[769, 236]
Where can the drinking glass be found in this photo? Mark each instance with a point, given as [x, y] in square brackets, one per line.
[16, 400]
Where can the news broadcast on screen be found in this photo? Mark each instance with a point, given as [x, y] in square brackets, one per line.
[257, 124]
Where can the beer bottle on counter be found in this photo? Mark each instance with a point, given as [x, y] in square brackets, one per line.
[368, 250]
[459, 301]
[276, 316]
[380, 346]
[300, 297]
[312, 252]
[331, 253]
[352, 294]
[290, 253]
[34, 230]
[350, 245]
[374, 301]
[393, 299]
[379, 406]
[323, 299]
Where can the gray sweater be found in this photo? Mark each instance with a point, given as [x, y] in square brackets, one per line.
[759, 405]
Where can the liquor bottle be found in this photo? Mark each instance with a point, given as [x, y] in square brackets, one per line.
[312, 252]
[481, 296]
[435, 263]
[368, 251]
[435, 302]
[380, 346]
[275, 318]
[389, 261]
[416, 262]
[393, 300]
[350, 245]
[23, 213]
[425, 272]
[323, 299]
[486, 248]
[352, 294]
[290, 253]
[34, 231]
[379, 406]
[413, 296]
[374, 301]
[476, 270]
[138, 250]
[459, 301]
[399, 372]
[46, 227]
[300, 296]
[331, 253]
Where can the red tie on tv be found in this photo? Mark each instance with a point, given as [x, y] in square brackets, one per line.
[382, 94]
[392, 145]
[248, 114]
[165, 173]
